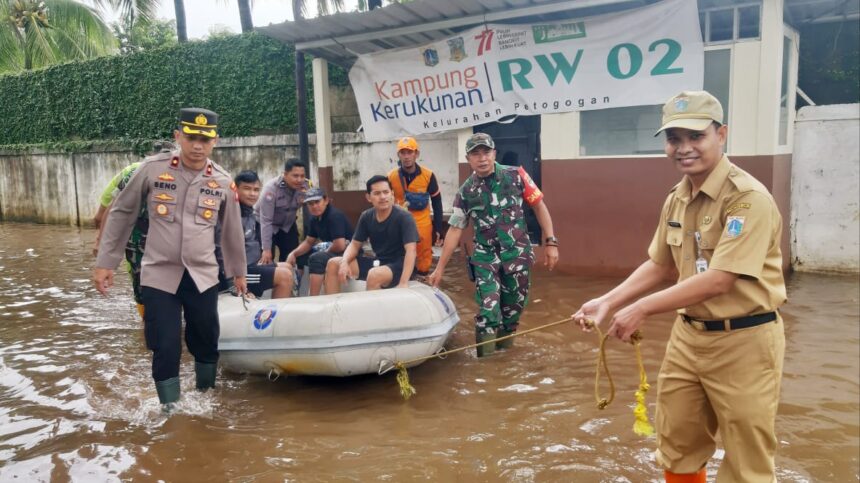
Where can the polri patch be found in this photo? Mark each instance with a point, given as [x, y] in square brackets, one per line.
[734, 226]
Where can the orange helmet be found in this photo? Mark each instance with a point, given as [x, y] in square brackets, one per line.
[407, 143]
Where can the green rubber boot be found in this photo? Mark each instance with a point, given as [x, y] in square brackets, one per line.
[507, 343]
[205, 375]
[168, 393]
[485, 334]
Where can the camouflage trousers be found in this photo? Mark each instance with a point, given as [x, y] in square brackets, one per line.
[501, 296]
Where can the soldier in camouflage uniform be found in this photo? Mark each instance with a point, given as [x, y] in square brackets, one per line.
[492, 199]
[137, 241]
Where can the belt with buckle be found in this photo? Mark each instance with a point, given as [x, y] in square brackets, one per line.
[730, 324]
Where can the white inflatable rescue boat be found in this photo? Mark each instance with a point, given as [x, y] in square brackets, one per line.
[334, 335]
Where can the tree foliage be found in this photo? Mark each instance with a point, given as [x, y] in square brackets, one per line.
[247, 79]
[38, 33]
[144, 34]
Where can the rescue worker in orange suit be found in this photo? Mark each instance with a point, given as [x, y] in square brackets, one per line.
[416, 189]
[719, 234]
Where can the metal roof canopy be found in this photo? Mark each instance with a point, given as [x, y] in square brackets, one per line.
[341, 37]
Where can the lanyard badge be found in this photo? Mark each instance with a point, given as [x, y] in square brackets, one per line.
[701, 263]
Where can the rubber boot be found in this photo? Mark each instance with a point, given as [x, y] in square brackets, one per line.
[698, 477]
[507, 343]
[485, 334]
[205, 375]
[168, 393]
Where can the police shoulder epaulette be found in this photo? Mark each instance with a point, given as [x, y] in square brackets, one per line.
[220, 170]
[162, 156]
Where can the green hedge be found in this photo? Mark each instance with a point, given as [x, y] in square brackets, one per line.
[247, 79]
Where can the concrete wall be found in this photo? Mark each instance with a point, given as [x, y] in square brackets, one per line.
[62, 188]
[825, 216]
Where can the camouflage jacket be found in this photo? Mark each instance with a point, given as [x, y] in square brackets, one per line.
[494, 205]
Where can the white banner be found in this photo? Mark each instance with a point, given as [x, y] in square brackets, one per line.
[632, 58]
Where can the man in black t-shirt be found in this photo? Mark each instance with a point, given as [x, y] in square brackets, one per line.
[393, 236]
[328, 225]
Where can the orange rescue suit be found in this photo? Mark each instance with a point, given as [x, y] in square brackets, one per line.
[421, 184]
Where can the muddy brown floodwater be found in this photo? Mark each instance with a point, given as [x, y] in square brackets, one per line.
[77, 402]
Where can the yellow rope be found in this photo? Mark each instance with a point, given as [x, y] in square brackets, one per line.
[406, 389]
[641, 426]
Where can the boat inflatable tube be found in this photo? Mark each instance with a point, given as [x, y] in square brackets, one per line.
[334, 335]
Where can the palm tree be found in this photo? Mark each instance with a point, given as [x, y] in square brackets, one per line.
[181, 28]
[38, 33]
[245, 15]
[299, 12]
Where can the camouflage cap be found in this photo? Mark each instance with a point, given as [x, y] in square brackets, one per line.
[694, 110]
[479, 139]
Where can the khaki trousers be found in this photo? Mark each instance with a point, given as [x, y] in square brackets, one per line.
[720, 380]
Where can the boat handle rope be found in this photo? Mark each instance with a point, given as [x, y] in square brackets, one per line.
[641, 426]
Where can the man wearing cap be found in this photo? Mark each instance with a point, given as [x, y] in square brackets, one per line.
[415, 188]
[327, 225]
[491, 198]
[278, 210]
[186, 195]
[277, 277]
[719, 231]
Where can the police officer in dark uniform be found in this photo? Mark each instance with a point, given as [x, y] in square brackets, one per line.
[186, 195]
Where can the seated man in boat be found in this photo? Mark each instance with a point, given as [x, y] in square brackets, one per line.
[278, 277]
[393, 236]
[327, 225]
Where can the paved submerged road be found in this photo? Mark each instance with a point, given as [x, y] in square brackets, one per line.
[77, 402]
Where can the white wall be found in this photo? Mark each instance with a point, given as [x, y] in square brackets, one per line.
[825, 201]
[354, 161]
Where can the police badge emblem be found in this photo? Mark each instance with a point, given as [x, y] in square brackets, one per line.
[458, 50]
[431, 57]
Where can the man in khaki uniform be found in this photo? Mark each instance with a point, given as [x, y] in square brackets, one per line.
[186, 196]
[719, 230]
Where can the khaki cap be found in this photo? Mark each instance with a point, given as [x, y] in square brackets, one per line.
[694, 110]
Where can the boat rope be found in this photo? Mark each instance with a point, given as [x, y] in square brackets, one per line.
[641, 426]
[406, 389]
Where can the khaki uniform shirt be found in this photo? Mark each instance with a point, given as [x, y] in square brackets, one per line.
[277, 209]
[740, 228]
[184, 207]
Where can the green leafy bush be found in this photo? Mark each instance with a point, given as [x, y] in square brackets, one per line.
[247, 79]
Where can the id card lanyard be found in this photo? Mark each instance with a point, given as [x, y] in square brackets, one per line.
[701, 263]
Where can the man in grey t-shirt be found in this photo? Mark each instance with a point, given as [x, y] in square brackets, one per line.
[393, 236]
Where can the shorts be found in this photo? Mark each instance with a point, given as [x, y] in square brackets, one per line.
[366, 263]
[260, 278]
[318, 261]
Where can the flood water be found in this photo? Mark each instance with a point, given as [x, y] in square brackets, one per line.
[77, 402]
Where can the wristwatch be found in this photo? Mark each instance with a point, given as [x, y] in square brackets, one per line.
[551, 241]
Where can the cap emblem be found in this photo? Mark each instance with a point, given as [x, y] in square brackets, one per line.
[201, 120]
[681, 104]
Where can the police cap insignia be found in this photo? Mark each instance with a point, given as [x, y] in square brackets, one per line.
[196, 121]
